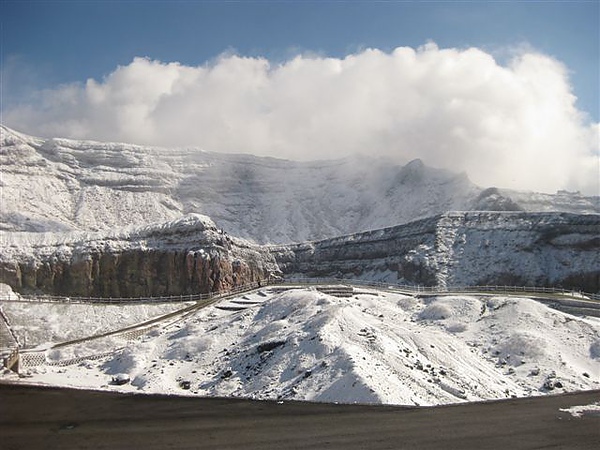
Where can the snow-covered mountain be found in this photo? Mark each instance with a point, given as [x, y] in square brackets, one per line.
[372, 347]
[64, 185]
[89, 218]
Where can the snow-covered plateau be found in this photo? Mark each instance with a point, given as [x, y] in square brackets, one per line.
[371, 347]
[191, 255]
[188, 255]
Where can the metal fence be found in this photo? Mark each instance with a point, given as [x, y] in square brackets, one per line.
[133, 300]
[409, 288]
[36, 359]
[421, 289]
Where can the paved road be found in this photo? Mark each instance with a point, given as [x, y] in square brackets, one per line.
[51, 418]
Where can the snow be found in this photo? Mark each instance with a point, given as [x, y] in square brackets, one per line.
[373, 347]
[583, 410]
[176, 233]
[44, 324]
[93, 186]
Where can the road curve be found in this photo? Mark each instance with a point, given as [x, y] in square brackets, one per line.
[34, 417]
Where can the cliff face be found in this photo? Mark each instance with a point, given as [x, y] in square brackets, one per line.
[373, 254]
[475, 248]
[184, 257]
[134, 273]
[191, 255]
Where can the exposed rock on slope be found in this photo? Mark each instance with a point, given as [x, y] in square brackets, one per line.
[186, 256]
[83, 185]
[190, 255]
[477, 248]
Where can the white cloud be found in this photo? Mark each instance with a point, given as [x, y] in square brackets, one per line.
[509, 126]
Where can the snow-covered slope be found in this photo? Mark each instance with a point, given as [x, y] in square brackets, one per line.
[372, 347]
[60, 184]
[44, 324]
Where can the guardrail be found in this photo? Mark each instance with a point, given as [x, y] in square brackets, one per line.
[134, 300]
[421, 289]
[411, 288]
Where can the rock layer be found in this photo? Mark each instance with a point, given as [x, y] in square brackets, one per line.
[192, 256]
[167, 260]
[462, 248]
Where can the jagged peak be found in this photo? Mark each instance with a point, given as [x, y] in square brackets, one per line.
[411, 173]
[415, 164]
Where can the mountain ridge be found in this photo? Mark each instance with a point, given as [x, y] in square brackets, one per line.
[87, 185]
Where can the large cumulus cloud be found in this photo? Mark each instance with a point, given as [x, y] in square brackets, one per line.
[513, 125]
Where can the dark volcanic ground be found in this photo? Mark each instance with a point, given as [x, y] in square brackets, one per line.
[33, 417]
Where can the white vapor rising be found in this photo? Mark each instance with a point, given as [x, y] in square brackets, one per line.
[509, 126]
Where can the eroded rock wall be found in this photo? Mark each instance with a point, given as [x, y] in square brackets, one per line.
[134, 273]
[378, 254]
[462, 249]
[156, 263]
[454, 249]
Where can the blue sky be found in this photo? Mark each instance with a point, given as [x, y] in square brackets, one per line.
[54, 42]
[482, 87]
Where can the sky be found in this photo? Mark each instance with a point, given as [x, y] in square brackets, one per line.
[505, 91]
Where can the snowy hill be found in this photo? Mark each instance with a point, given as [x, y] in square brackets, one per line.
[372, 347]
[65, 185]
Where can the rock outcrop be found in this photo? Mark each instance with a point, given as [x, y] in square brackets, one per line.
[182, 257]
[191, 255]
[462, 249]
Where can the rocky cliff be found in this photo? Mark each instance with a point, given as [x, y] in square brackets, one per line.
[468, 248]
[186, 256]
[191, 255]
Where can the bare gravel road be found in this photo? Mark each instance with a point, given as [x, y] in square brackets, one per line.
[33, 417]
